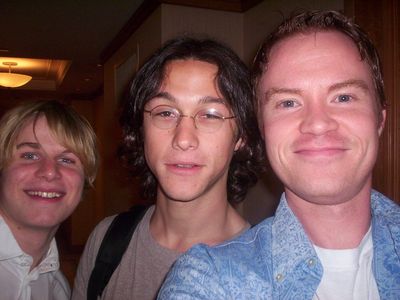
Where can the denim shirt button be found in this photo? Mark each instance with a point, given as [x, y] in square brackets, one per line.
[311, 262]
[279, 277]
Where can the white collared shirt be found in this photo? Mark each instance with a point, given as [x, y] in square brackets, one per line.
[44, 282]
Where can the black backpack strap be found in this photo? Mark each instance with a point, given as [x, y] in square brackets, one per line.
[113, 246]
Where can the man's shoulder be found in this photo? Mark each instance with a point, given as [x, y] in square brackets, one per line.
[385, 208]
[257, 235]
[250, 244]
[236, 269]
[101, 228]
[9, 247]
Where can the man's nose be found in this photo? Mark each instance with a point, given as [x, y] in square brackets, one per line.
[48, 169]
[318, 119]
[185, 134]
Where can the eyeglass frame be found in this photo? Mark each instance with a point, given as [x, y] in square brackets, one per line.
[181, 115]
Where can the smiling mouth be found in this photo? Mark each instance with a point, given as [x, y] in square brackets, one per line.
[184, 166]
[47, 195]
[332, 151]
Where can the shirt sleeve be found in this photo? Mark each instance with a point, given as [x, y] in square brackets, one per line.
[193, 276]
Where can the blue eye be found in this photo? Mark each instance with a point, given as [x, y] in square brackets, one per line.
[344, 98]
[29, 156]
[287, 103]
[66, 160]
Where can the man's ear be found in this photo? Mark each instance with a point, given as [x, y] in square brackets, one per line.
[382, 121]
[239, 144]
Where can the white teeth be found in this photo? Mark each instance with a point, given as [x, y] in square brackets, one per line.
[45, 194]
[184, 166]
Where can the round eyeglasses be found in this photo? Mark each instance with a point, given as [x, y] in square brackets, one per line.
[167, 117]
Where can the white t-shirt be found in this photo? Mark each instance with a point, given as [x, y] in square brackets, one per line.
[45, 282]
[347, 273]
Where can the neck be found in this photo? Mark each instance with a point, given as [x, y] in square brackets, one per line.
[338, 226]
[180, 225]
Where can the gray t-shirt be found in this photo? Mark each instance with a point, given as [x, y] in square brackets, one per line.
[142, 269]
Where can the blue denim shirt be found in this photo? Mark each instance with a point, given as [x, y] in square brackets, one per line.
[276, 260]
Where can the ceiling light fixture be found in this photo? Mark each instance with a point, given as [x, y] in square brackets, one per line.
[12, 80]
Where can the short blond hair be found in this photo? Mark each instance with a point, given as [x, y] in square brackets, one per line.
[72, 130]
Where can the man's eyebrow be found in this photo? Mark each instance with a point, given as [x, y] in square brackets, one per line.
[209, 99]
[349, 83]
[272, 91]
[203, 100]
[37, 146]
[28, 144]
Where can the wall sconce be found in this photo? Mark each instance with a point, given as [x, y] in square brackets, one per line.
[12, 80]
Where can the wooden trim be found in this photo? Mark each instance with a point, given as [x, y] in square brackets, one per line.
[226, 5]
[382, 22]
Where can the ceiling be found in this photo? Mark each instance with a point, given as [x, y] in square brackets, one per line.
[59, 43]
[62, 44]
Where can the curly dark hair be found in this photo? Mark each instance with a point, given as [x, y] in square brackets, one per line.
[314, 21]
[233, 80]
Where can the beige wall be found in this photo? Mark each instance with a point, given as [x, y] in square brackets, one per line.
[223, 26]
[259, 20]
[119, 192]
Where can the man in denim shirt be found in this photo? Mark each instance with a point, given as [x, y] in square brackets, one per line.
[321, 109]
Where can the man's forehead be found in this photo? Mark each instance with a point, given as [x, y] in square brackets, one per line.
[34, 132]
[189, 76]
[191, 66]
[315, 52]
[317, 40]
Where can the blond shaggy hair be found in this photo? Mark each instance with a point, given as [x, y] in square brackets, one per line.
[72, 130]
